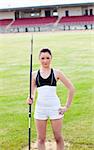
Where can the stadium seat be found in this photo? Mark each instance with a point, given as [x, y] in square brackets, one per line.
[5, 22]
[77, 19]
[34, 21]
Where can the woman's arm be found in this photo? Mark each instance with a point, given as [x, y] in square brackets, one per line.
[33, 89]
[68, 84]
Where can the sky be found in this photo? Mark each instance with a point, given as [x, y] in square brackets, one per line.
[27, 3]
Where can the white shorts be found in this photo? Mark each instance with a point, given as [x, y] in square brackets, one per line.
[44, 114]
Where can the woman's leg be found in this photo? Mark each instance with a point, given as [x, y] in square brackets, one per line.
[41, 133]
[57, 126]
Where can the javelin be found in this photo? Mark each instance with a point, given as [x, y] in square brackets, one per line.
[30, 95]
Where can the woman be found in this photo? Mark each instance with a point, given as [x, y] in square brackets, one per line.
[48, 104]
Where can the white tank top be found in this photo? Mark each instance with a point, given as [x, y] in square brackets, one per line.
[47, 97]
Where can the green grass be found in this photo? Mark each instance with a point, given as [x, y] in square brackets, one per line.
[73, 53]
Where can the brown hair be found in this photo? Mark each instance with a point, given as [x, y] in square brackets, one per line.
[44, 50]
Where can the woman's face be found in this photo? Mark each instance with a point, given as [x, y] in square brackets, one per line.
[45, 59]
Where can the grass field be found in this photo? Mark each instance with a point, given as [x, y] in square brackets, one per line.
[73, 53]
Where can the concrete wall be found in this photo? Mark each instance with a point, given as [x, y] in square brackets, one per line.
[7, 15]
[88, 8]
[73, 11]
[42, 13]
[24, 15]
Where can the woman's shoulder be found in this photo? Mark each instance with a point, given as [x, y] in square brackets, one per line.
[56, 71]
[34, 74]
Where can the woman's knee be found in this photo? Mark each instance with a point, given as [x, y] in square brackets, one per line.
[58, 138]
[41, 140]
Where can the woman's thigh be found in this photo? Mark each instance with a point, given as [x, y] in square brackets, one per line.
[41, 128]
[57, 126]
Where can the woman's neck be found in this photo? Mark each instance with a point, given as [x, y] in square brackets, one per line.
[45, 72]
[44, 69]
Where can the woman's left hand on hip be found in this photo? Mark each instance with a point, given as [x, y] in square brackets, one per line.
[62, 110]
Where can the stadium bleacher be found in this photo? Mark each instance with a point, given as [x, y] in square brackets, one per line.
[34, 21]
[46, 24]
[46, 20]
[77, 19]
[5, 22]
[55, 16]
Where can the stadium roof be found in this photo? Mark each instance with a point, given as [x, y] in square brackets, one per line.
[10, 4]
